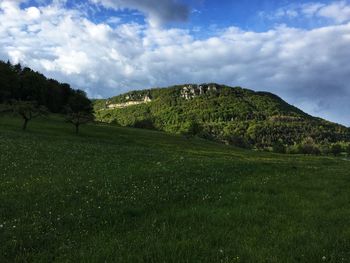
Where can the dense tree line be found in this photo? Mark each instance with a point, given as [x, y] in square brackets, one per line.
[29, 94]
[23, 84]
[231, 115]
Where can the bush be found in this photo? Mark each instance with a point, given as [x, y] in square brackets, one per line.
[279, 147]
[293, 149]
[308, 146]
[190, 129]
[325, 148]
[144, 124]
[237, 141]
[347, 149]
[336, 149]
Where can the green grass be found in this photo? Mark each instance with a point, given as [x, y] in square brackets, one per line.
[126, 195]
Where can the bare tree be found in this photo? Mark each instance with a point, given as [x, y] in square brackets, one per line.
[28, 110]
[79, 118]
[79, 110]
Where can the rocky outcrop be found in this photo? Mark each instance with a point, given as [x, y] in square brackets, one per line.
[192, 91]
[187, 92]
[126, 104]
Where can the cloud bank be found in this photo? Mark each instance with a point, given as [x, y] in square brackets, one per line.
[309, 68]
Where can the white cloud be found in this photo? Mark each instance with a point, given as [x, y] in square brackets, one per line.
[310, 9]
[308, 67]
[33, 13]
[114, 20]
[335, 12]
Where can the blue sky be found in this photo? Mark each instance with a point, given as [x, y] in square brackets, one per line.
[296, 49]
[205, 14]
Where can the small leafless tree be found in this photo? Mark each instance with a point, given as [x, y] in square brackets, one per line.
[79, 118]
[28, 110]
[79, 110]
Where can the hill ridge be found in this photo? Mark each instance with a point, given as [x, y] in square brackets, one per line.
[256, 119]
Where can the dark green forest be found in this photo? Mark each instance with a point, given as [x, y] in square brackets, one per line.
[29, 94]
[231, 115]
[24, 84]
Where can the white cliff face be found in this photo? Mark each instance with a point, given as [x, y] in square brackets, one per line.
[192, 91]
[201, 90]
[110, 106]
[147, 99]
[124, 105]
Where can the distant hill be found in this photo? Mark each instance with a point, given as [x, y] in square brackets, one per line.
[218, 112]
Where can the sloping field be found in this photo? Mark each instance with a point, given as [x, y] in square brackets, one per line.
[116, 194]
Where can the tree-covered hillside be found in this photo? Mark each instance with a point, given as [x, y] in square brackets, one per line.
[231, 115]
[19, 83]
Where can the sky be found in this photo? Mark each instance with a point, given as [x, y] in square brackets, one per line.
[299, 50]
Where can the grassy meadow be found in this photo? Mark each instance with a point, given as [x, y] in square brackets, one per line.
[116, 194]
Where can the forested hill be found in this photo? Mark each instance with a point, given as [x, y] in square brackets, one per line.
[19, 83]
[231, 115]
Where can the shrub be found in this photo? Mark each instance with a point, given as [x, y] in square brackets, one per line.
[336, 149]
[293, 149]
[237, 141]
[145, 124]
[191, 128]
[279, 147]
[308, 146]
[325, 148]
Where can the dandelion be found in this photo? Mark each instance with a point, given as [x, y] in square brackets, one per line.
[1, 226]
[324, 258]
